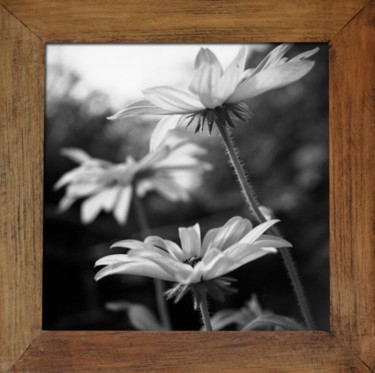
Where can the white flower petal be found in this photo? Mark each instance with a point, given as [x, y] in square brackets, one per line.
[154, 156]
[131, 244]
[111, 195]
[195, 276]
[218, 267]
[66, 202]
[239, 251]
[177, 162]
[169, 189]
[208, 238]
[160, 132]
[267, 240]
[190, 241]
[244, 254]
[187, 179]
[304, 55]
[210, 256]
[170, 265]
[141, 268]
[76, 155]
[114, 259]
[173, 249]
[123, 204]
[176, 137]
[181, 156]
[68, 177]
[191, 148]
[257, 231]
[272, 78]
[206, 78]
[174, 100]
[141, 107]
[206, 57]
[233, 230]
[91, 207]
[271, 250]
[165, 151]
[231, 76]
[275, 57]
[79, 190]
[246, 75]
[250, 258]
[158, 242]
[146, 253]
[204, 84]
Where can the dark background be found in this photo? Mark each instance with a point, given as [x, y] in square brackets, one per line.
[284, 148]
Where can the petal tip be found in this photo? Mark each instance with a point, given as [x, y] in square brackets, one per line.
[273, 221]
[97, 277]
[270, 250]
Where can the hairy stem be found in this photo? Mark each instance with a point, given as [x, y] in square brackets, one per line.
[158, 284]
[203, 307]
[252, 202]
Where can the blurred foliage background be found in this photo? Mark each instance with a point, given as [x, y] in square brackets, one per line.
[285, 149]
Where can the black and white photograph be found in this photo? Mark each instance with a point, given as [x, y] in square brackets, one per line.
[186, 187]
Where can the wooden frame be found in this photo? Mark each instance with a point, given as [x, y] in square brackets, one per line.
[347, 25]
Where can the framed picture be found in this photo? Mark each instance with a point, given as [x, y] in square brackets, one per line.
[30, 30]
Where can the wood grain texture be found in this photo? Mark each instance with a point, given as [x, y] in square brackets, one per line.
[27, 25]
[21, 147]
[191, 352]
[352, 203]
[185, 20]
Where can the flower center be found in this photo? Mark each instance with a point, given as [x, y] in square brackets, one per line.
[193, 260]
[225, 115]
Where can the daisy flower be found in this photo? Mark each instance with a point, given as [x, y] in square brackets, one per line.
[171, 170]
[196, 263]
[215, 95]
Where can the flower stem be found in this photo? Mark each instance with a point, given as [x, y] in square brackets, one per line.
[158, 284]
[203, 307]
[252, 202]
